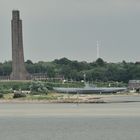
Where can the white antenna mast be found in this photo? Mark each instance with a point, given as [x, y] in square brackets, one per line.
[98, 53]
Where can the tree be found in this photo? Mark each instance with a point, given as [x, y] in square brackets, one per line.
[62, 61]
[29, 62]
[6, 68]
[100, 62]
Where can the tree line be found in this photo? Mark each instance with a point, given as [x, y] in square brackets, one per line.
[98, 70]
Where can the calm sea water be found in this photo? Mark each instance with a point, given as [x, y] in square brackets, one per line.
[70, 122]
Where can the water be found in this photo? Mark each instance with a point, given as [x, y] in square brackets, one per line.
[70, 121]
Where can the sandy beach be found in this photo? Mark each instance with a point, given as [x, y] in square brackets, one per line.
[78, 99]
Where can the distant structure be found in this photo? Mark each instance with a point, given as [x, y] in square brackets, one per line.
[18, 67]
[98, 53]
[134, 85]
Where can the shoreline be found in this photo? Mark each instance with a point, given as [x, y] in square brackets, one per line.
[49, 101]
[80, 99]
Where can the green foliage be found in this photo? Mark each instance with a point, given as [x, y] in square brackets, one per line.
[74, 70]
[8, 86]
[19, 95]
[100, 62]
[29, 62]
[5, 68]
[41, 97]
[62, 61]
[1, 95]
[5, 91]
[38, 87]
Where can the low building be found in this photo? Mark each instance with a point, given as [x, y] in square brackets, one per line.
[134, 85]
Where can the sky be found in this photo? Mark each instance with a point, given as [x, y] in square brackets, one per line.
[53, 29]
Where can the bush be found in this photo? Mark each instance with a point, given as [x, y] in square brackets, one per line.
[38, 87]
[15, 85]
[1, 95]
[19, 95]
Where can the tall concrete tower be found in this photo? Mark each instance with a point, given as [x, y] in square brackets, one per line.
[18, 67]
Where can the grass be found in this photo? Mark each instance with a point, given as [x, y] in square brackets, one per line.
[9, 96]
[41, 97]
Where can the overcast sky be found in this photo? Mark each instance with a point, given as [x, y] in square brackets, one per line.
[53, 29]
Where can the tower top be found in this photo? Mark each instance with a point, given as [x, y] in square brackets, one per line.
[15, 14]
